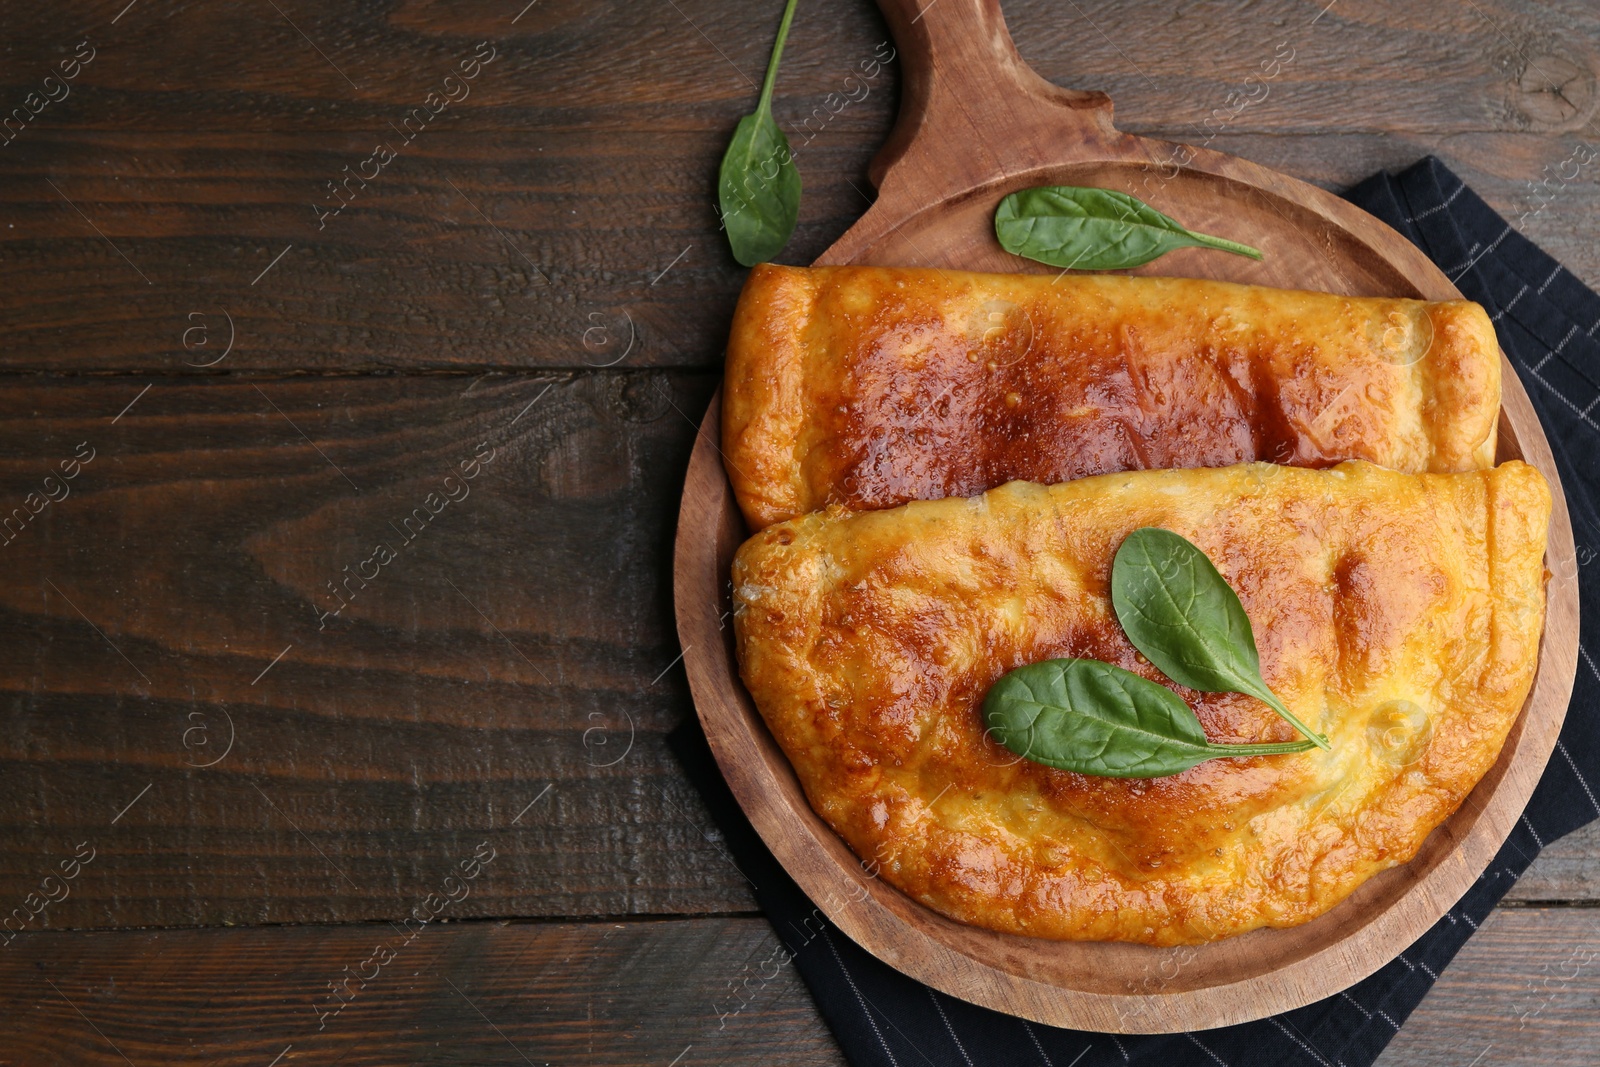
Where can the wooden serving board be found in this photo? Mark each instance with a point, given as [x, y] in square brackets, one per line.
[977, 123]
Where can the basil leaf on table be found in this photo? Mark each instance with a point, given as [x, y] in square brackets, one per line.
[1182, 615]
[1093, 229]
[1091, 717]
[758, 189]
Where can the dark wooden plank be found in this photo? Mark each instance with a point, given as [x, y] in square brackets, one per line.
[505, 656]
[1357, 65]
[550, 201]
[1524, 991]
[473, 993]
[199, 139]
[1569, 869]
[1525, 988]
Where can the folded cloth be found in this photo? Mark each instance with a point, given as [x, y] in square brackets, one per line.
[1547, 321]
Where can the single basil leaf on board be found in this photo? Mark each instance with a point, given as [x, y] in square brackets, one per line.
[758, 188]
[1184, 617]
[1091, 717]
[1083, 228]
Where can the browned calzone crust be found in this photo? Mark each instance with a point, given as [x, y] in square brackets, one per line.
[873, 386]
[1399, 613]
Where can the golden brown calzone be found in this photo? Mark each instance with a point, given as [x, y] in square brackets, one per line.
[1398, 613]
[873, 386]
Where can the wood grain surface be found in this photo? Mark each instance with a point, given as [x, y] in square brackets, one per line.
[200, 138]
[478, 993]
[515, 649]
[489, 993]
[530, 230]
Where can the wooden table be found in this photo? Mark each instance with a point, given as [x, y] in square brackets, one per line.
[367, 575]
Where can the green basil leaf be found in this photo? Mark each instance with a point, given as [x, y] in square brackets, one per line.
[1069, 226]
[1183, 616]
[758, 188]
[1090, 717]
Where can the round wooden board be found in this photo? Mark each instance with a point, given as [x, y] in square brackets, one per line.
[975, 125]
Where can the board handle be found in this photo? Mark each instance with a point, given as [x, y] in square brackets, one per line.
[970, 107]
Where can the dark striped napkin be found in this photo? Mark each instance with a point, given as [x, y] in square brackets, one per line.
[1547, 321]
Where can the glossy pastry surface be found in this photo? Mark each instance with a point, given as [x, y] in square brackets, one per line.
[1400, 614]
[873, 386]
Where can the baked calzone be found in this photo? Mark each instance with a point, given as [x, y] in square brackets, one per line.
[1400, 614]
[873, 386]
